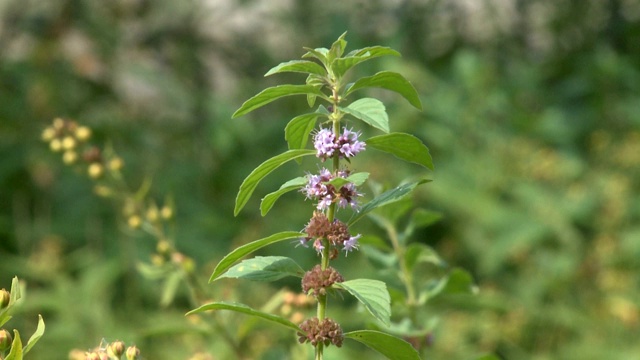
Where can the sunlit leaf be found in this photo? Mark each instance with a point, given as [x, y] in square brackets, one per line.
[16, 352]
[404, 146]
[298, 129]
[341, 65]
[241, 308]
[251, 182]
[271, 198]
[391, 81]
[318, 53]
[265, 268]
[387, 197]
[388, 345]
[371, 111]
[273, 93]
[356, 179]
[36, 335]
[301, 66]
[372, 294]
[247, 249]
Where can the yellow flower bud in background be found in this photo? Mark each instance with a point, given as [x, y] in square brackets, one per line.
[69, 157]
[116, 164]
[166, 212]
[116, 349]
[58, 123]
[152, 213]
[5, 298]
[163, 247]
[102, 191]
[68, 143]
[157, 260]
[48, 134]
[55, 145]
[134, 221]
[83, 133]
[95, 170]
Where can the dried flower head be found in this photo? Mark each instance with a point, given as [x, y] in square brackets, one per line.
[325, 331]
[318, 281]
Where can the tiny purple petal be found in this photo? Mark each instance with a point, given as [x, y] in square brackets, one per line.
[351, 244]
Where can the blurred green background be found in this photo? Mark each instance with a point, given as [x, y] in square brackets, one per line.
[532, 116]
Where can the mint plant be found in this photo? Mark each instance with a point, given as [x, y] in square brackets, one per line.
[333, 190]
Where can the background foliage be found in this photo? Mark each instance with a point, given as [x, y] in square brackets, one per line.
[532, 115]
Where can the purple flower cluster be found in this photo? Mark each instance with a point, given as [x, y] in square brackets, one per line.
[347, 144]
[317, 188]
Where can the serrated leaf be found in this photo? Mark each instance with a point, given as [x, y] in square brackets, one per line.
[298, 129]
[387, 197]
[246, 249]
[241, 308]
[341, 65]
[403, 146]
[265, 268]
[251, 182]
[357, 179]
[273, 93]
[372, 294]
[391, 81]
[371, 111]
[16, 347]
[388, 345]
[301, 66]
[36, 335]
[271, 198]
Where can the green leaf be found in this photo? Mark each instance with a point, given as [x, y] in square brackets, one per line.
[169, 288]
[318, 53]
[391, 81]
[271, 198]
[241, 308]
[422, 218]
[273, 93]
[459, 281]
[246, 249]
[371, 111]
[251, 182]
[357, 179]
[372, 294]
[36, 335]
[403, 146]
[337, 48]
[386, 198]
[265, 268]
[301, 66]
[298, 129]
[420, 253]
[16, 347]
[388, 345]
[341, 65]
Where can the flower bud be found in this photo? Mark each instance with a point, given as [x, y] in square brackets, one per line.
[95, 170]
[116, 349]
[68, 143]
[166, 212]
[55, 145]
[325, 331]
[134, 221]
[317, 281]
[69, 157]
[152, 213]
[5, 298]
[58, 123]
[133, 353]
[116, 164]
[92, 356]
[48, 134]
[5, 340]
[83, 133]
